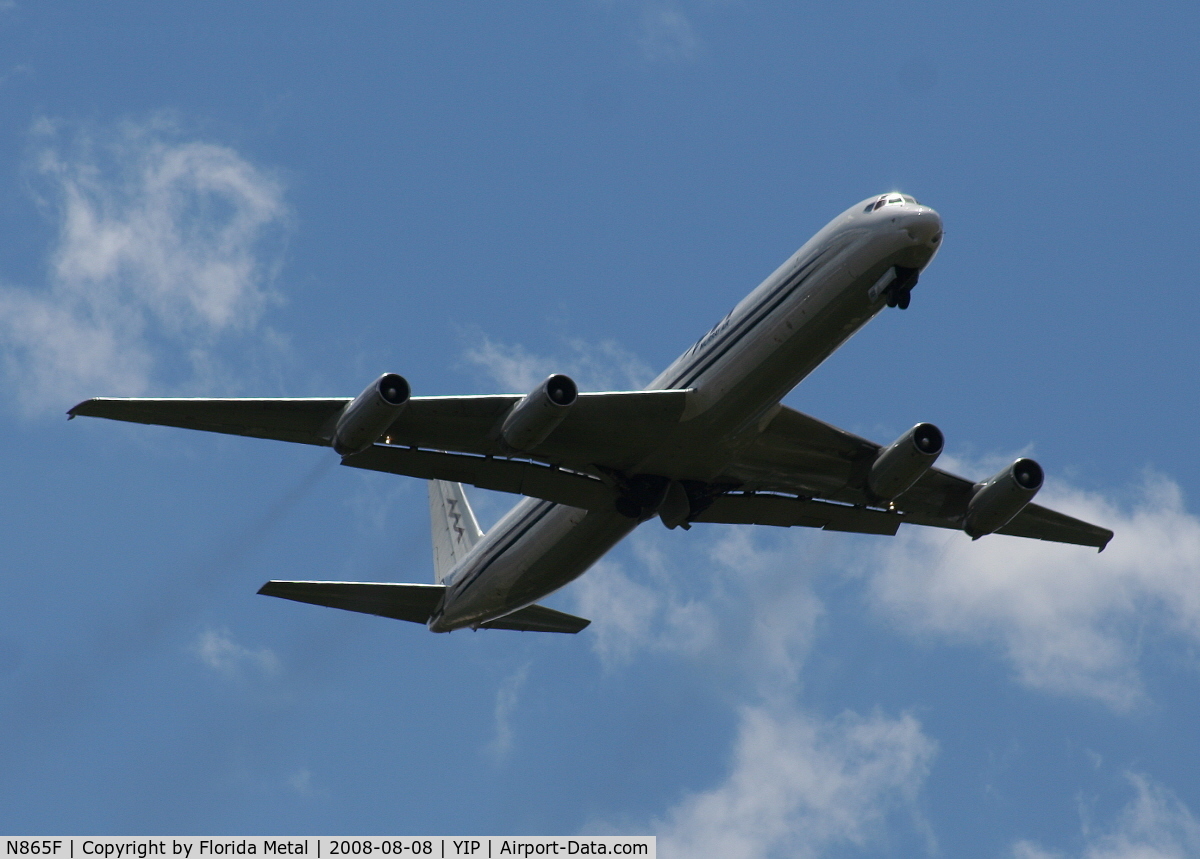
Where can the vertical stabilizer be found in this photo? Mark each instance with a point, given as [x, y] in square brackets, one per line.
[453, 525]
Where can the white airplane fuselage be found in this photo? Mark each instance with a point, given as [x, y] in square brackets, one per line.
[736, 375]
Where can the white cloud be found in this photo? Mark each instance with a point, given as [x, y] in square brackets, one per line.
[1155, 824]
[603, 366]
[161, 257]
[800, 787]
[733, 597]
[1070, 621]
[218, 650]
[625, 614]
[739, 602]
[630, 616]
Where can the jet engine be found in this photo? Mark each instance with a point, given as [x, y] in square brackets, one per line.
[367, 416]
[539, 412]
[901, 464]
[997, 501]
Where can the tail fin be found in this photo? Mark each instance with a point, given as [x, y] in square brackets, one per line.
[455, 530]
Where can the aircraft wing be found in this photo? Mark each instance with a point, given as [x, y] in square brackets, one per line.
[802, 471]
[612, 427]
[797, 471]
[303, 420]
[415, 603]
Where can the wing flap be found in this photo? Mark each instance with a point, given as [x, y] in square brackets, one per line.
[1035, 521]
[538, 618]
[781, 511]
[502, 475]
[414, 603]
[799, 454]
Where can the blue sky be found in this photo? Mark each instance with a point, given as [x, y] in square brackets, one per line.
[224, 200]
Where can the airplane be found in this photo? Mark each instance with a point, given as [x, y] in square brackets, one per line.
[708, 441]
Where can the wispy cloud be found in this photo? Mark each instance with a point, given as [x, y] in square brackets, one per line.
[734, 597]
[665, 34]
[741, 603]
[602, 366]
[507, 698]
[803, 787]
[301, 782]
[165, 252]
[217, 649]
[1155, 824]
[1069, 621]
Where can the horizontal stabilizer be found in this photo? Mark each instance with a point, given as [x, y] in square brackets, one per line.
[538, 618]
[415, 603]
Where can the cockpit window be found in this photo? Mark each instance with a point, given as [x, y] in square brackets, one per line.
[890, 200]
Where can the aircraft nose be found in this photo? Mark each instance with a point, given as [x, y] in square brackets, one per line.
[924, 225]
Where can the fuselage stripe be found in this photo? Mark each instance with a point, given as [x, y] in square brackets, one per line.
[706, 358]
[519, 529]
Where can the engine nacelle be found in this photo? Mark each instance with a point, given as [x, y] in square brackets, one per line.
[367, 416]
[539, 412]
[901, 464]
[997, 501]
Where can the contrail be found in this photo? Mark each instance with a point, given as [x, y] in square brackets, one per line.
[51, 691]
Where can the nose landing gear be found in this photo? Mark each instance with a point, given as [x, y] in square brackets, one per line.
[899, 292]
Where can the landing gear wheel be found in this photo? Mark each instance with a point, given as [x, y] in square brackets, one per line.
[891, 298]
[903, 299]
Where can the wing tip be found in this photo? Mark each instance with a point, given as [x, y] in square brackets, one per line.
[76, 409]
